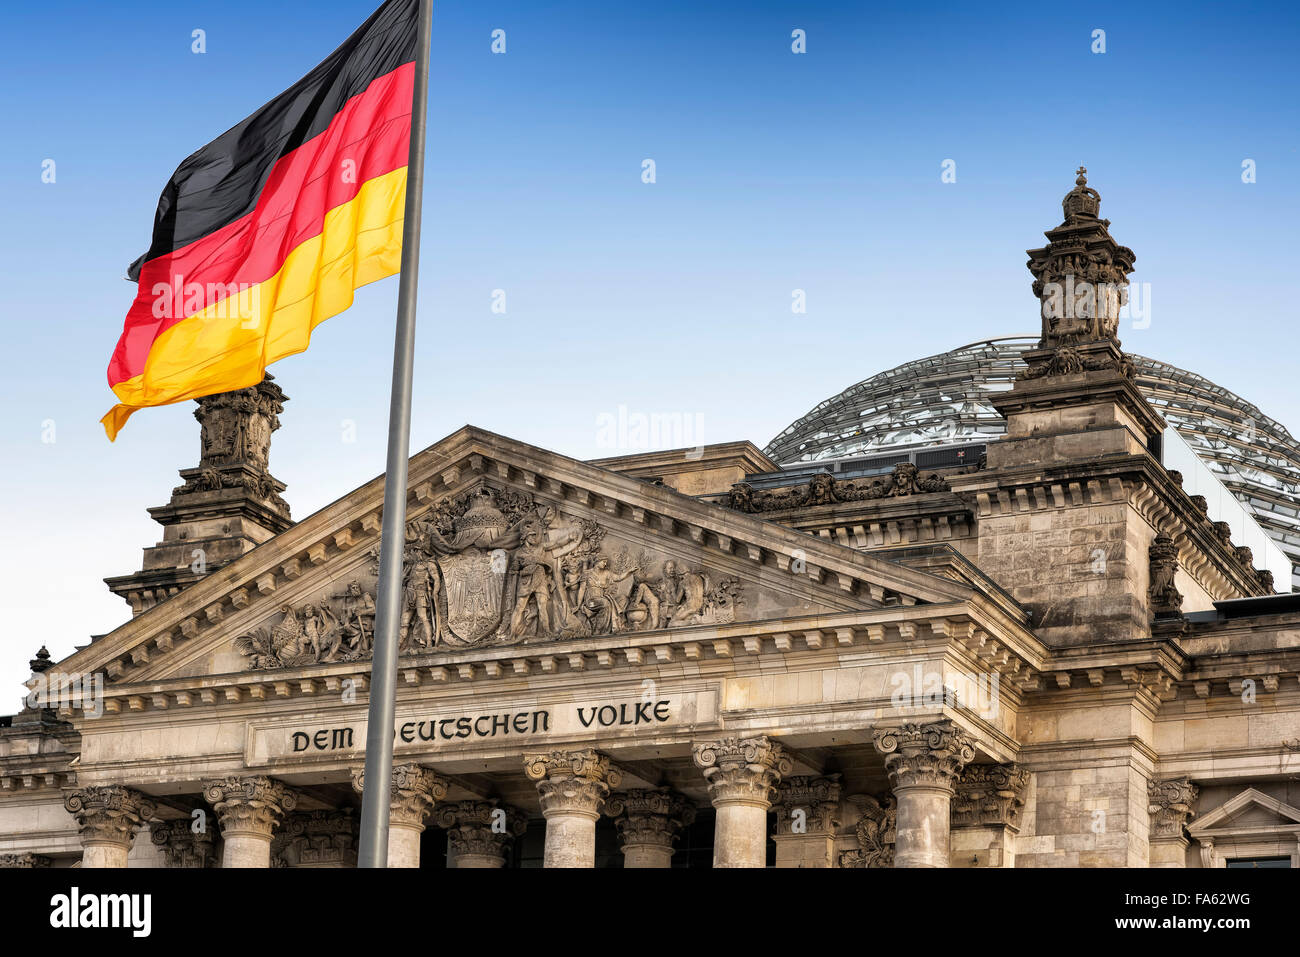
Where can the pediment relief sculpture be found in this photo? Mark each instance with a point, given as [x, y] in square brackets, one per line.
[824, 489]
[493, 567]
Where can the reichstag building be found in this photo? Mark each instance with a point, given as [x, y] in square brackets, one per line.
[1028, 603]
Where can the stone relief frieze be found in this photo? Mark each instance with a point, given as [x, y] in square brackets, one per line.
[340, 628]
[495, 567]
[824, 489]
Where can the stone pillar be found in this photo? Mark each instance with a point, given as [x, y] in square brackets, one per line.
[108, 817]
[1171, 807]
[742, 774]
[649, 822]
[572, 786]
[317, 839]
[986, 815]
[924, 762]
[413, 791]
[479, 833]
[181, 846]
[248, 810]
[807, 816]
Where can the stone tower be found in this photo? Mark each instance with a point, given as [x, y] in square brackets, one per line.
[229, 503]
[1075, 509]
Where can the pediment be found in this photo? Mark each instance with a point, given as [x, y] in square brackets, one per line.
[511, 545]
[1249, 812]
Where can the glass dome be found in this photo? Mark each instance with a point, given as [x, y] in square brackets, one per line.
[944, 400]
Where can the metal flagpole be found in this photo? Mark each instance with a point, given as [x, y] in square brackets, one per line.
[383, 673]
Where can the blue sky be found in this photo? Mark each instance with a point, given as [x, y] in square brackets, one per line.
[774, 172]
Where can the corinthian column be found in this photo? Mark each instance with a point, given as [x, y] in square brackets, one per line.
[986, 815]
[924, 762]
[807, 816]
[108, 817]
[1170, 804]
[742, 775]
[648, 822]
[572, 786]
[413, 791]
[479, 833]
[248, 810]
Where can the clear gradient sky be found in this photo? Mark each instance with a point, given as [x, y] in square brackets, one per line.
[775, 172]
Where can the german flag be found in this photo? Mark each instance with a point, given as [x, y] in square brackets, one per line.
[266, 231]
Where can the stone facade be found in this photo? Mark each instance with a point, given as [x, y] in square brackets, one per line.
[1050, 657]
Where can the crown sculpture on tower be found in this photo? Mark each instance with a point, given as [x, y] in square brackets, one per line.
[1081, 282]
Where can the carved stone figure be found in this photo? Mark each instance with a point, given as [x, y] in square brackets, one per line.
[741, 497]
[357, 619]
[601, 600]
[419, 609]
[821, 490]
[688, 589]
[534, 586]
[876, 832]
[314, 633]
[1166, 600]
[321, 633]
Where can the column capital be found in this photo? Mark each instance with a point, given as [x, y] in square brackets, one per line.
[413, 791]
[818, 797]
[572, 782]
[649, 816]
[25, 861]
[252, 805]
[109, 813]
[316, 839]
[480, 829]
[1170, 804]
[742, 770]
[924, 755]
[181, 846]
[990, 795]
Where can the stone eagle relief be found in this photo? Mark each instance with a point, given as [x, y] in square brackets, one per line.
[492, 567]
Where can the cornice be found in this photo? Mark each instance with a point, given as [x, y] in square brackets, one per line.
[1016, 657]
[1135, 480]
[744, 455]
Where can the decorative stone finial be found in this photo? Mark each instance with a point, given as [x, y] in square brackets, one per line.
[1080, 276]
[42, 662]
[1081, 202]
[229, 503]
